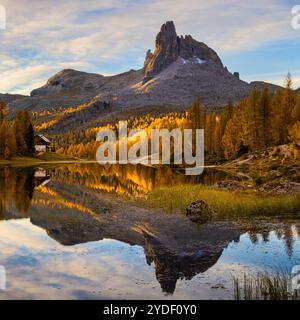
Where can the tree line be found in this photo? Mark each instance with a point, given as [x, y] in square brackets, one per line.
[263, 119]
[16, 136]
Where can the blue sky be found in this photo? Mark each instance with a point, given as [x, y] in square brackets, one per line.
[112, 36]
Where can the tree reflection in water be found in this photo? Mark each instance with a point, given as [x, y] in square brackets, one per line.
[17, 185]
[69, 202]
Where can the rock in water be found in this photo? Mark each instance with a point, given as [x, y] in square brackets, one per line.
[200, 212]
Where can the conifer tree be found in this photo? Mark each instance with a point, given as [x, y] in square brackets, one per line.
[3, 111]
[20, 136]
[2, 138]
[296, 109]
[226, 116]
[209, 133]
[197, 119]
[264, 119]
[197, 115]
[10, 143]
[288, 104]
[29, 139]
[294, 133]
[277, 118]
[232, 140]
[24, 133]
[252, 121]
[217, 137]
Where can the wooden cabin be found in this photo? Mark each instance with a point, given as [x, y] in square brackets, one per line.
[42, 144]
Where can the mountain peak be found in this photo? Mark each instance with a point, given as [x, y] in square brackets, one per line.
[169, 47]
[166, 51]
[168, 27]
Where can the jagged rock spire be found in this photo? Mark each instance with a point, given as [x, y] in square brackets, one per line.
[169, 47]
[166, 50]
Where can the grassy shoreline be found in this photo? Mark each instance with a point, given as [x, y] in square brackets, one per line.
[264, 286]
[226, 203]
[41, 159]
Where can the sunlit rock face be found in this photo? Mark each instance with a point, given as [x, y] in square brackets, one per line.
[179, 69]
[166, 50]
[169, 47]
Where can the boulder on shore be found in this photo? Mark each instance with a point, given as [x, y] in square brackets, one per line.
[200, 212]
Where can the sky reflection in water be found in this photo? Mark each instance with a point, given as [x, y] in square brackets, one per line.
[48, 254]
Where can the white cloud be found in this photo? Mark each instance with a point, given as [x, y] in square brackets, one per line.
[114, 34]
[23, 79]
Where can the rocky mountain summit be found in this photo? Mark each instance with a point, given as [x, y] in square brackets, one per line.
[169, 47]
[69, 82]
[179, 69]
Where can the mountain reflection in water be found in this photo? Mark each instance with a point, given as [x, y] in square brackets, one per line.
[79, 204]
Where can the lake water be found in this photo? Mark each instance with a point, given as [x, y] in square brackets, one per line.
[83, 232]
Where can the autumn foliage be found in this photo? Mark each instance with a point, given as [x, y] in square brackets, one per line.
[16, 137]
[264, 119]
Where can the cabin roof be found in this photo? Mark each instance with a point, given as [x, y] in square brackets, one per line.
[43, 138]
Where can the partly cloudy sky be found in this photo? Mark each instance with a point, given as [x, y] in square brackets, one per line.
[112, 36]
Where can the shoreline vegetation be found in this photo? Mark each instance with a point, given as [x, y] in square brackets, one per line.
[240, 198]
[225, 203]
[46, 158]
[264, 286]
